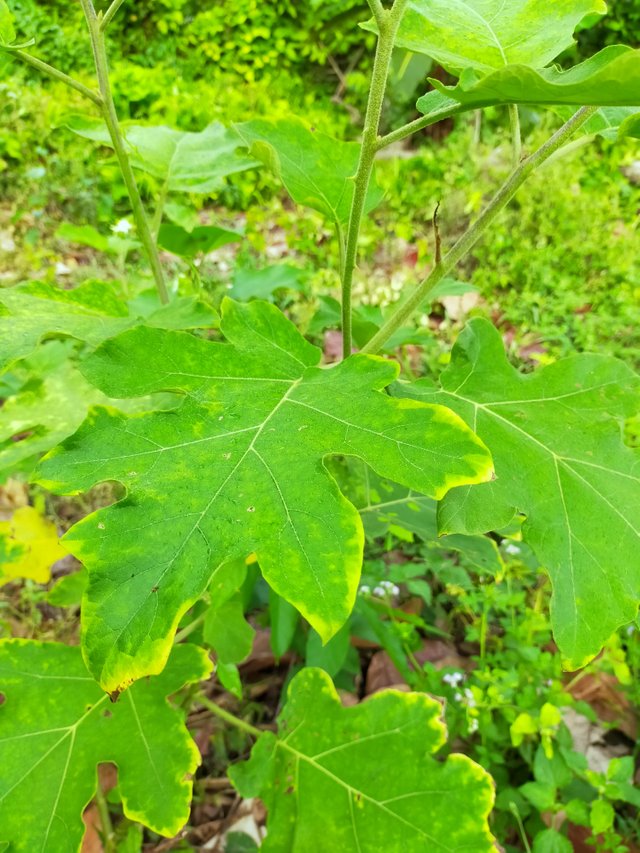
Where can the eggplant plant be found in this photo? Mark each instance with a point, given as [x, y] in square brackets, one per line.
[221, 444]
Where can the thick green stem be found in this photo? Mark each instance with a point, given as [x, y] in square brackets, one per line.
[108, 15]
[113, 126]
[58, 75]
[480, 226]
[516, 134]
[228, 718]
[388, 22]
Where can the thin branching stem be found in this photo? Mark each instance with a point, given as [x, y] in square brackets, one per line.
[91, 94]
[388, 22]
[110, 116]
[418, 124]
[480, 226]
[108, 15]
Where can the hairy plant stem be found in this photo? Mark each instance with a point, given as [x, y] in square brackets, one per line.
[416, 125]
[108, 15]
[479, 227]
[108, 109]
[516, 134]
[228, 717]
[388, 22]
[91, 94]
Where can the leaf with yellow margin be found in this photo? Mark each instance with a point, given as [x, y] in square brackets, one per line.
[56, 726]
[237, 468]
[364, 779]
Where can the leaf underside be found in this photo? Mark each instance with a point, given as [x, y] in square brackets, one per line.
[556, 440]
[56, 726]
[611, 78]
[236, 469]
[363, 779]
[488, 34]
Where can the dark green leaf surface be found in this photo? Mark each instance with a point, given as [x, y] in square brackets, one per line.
[488, 34]
[56, 725]
[363, 779]
[610, 78]
[236, 469]
[560, 460]
[184, 162]
[316, 170]
[91, 313]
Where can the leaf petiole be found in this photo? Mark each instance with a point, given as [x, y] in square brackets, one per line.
[480, 226]
[228, 717]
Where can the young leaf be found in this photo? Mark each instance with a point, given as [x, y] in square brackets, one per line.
[92, 312]
[236, 469]
[28, 546]
[184, 162]
[488, 34]
[610, 78]
[316, 170]
[56, 726]
[364, 778]
[560, 460]
[7, 29]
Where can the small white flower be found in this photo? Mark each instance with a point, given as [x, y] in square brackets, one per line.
[457, 697]
[453, 679]
[471, 702]
[122, 227]
[386, 584]
[473, 725]
[512, 549]
[365, 590]
[395, 590]
[379, 591]
[631, 629]
[62, 269]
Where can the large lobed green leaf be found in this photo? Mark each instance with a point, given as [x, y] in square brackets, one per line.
[56, 726]
[364, 779]
[560, 460]
[236, 469]
[316, 170]
[91, 313]
[489, 34]
[184, 162]
[610, 78]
